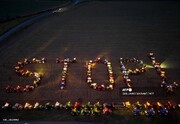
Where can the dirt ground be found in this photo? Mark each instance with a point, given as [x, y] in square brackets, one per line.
[106, 29]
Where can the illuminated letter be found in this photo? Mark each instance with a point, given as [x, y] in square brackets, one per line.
[66, 62]
[21, 72]
[90, 64]
[162, 74]
[126, 72]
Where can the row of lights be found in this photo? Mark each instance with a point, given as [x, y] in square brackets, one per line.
[76, 108]
[149, 109]
[97, 108]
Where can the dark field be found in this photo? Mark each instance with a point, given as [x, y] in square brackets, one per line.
[106, 29]
[14, 8]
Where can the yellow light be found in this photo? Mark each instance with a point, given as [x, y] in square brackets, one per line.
[163, 65]
[41, 73]
[93, 65]
[127, 104]
[158, 103]
[168, 63]
[149, 66]
[148, 103]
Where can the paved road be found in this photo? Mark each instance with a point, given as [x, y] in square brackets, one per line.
[63, 8]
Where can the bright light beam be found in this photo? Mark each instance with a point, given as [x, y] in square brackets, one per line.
[166, 64]
[148, 66]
